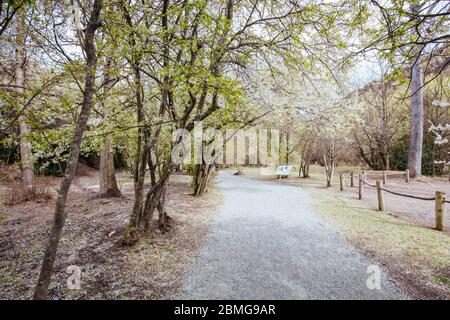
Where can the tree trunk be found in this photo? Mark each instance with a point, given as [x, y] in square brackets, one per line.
[153, 200]
[287, 147]
[140, 159]
[108, 181]
[416, 138]
[329, 174]
[387, 162]
[200, 179]
[139, 177]
[26, 158]
[280, 143]
[162, 214]
[329, 170]
[306, 170]
[300, 169]
[41, 291]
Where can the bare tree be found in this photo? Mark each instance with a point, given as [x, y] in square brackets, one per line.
[307, 141]
[381, 119]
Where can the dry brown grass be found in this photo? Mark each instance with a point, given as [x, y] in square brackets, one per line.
[152, 269]
[15, 193]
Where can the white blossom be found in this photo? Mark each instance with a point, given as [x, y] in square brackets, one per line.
[442, 104]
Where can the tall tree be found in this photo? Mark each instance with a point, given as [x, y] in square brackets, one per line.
[26, 157]
[88, 46]
[416, 137]
[409, 32]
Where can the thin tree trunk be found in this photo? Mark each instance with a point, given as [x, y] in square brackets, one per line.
[162, 219]
[139, 178]
[306, 170]
[416, 138]
[41, 290]
[300, 169]
[201, 178]
[329, 175]
[287, 147]
[153, 198]
[152, 169]
[387, 162]
[28, 177]
[280, 142]
[140, 160]
[329, 170]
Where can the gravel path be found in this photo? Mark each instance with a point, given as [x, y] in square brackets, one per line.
[266, 243]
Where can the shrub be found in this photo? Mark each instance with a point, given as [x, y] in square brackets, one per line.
[16, 193]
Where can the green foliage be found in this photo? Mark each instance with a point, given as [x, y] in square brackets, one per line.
[428, 166]
[399, 154]
[9, 151]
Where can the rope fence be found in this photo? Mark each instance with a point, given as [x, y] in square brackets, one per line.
[439, 198]
[403, 194]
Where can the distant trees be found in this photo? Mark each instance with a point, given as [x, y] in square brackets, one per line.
[192, 60]
[331, 144]
[410, 33]
[324, 132]
[307, 142]
[381, 120]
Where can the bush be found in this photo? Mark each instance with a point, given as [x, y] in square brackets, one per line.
[16, 194]
[399, 154]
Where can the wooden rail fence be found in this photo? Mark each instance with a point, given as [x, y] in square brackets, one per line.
[439, 198]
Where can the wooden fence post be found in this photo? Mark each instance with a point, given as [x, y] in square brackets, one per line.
[384, 178]
[440, 210]
[341, 182]
[380, 197]
[364, 175]
[360, 187]
[407, 175]
[352, 181]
